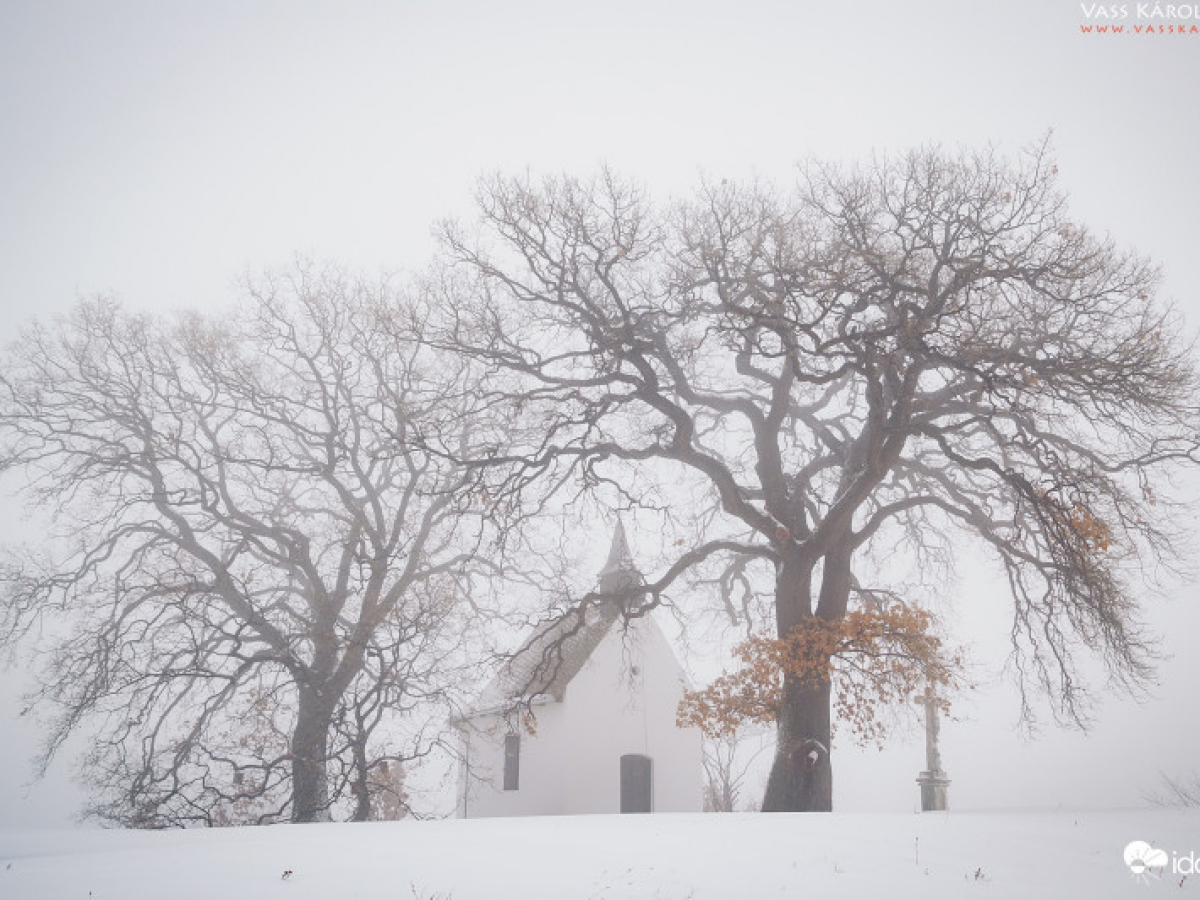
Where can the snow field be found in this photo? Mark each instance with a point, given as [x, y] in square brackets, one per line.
[664, 857]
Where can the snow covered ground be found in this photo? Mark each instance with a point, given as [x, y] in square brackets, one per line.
[667, 857]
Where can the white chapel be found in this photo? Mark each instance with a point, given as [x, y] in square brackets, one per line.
[604, 739]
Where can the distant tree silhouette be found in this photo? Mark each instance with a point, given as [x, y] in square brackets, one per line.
[259, 590]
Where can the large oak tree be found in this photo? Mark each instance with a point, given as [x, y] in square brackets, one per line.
[903, 353]
[255, 601]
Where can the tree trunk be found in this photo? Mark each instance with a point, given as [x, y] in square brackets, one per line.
[310, 741]
[360, 783]
[801, 778]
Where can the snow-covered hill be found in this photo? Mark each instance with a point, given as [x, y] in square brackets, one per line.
[668, 857]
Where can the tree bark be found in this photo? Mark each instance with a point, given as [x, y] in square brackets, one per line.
[801, 778]
[360, 786]
[310, 742]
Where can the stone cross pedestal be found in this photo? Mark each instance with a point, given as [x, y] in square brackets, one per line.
[933, 780]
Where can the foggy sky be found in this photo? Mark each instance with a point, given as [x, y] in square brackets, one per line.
[157, 151]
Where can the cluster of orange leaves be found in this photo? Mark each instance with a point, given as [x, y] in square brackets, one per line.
[875, 657]
[1094, 532]
[1077, 519]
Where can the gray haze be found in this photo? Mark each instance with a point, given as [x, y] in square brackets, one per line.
[159, 150]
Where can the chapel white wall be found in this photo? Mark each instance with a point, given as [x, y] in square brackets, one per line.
[572, 764]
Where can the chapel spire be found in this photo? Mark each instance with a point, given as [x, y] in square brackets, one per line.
[619, 571]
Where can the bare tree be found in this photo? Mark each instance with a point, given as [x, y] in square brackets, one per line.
[1176, 792]
[727, 760]
[259, 590]
[880, 360]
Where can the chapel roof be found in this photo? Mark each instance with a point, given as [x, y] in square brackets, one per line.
[557, 649]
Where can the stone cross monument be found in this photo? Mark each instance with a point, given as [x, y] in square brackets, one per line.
[933, 780]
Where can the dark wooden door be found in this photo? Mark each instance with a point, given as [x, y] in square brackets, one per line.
[512, 762]
[637, 784]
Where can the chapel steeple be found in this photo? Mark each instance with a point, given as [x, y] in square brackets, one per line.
[619, 571]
